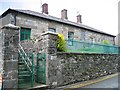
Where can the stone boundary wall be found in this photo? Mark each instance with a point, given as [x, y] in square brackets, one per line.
[9, 56]
[61, 68]
[46, 43]
[1, 52]
[68, 68]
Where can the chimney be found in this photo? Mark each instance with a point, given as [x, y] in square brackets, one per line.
[64, 14]
[45, 8]
[79, 19]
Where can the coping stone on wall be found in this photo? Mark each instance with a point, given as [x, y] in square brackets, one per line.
[10, 26]
[59, 53]
[48, 32]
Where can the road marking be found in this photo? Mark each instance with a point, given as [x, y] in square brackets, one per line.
[91, 82]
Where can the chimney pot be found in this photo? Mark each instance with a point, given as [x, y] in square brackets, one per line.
[45, 8]
[64, 14]
[79, 19]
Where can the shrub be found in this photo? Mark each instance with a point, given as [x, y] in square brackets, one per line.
[61, 43]
[106, 42]
[106, 48]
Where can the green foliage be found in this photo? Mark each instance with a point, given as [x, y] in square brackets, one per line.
[106, 42]
[61, 43]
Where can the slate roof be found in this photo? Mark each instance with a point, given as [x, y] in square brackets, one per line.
[52, 18]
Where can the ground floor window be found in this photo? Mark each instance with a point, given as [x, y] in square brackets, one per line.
[52, 30]
[70, 38]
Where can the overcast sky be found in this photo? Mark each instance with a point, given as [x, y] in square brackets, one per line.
[99, 14]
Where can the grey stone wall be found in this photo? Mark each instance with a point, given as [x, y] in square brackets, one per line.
[39, 25]
[1, 52]
[50, 47]
[46, 43]
[5, 20]
[117, 40]
[10, 56]
[68, 68]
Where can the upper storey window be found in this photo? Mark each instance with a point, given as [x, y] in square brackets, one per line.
[25, 33]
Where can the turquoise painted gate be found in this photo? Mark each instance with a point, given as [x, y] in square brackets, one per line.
[41, 68]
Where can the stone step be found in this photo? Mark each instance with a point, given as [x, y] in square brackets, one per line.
[23, 72]
[22, 69]
[21, 80]
[24, 76]
[22, 65]
[37, 86]
[20, 62]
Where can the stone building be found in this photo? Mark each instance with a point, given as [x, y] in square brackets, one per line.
[42, 66]
[33, 23]
[117, 40]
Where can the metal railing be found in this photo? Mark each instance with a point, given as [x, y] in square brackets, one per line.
[86, 47]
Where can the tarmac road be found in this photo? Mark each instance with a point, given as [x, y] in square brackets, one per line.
[109, 83]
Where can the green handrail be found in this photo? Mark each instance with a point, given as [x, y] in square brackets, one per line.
[29, 64]
[21, 48]
[23, 58]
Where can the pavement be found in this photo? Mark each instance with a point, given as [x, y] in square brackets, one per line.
[109, 81]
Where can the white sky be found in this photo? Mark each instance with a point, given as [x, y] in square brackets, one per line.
[99, 14]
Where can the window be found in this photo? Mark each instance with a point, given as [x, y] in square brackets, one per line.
[82, 35]
[70, 38]
[25, 33]
[51, 30]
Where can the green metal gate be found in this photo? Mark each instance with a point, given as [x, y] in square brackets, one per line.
[25, 70]
[41, 68]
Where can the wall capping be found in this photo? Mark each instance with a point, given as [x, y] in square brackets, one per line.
[61, 53]
[10, 26]
[48, 33]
